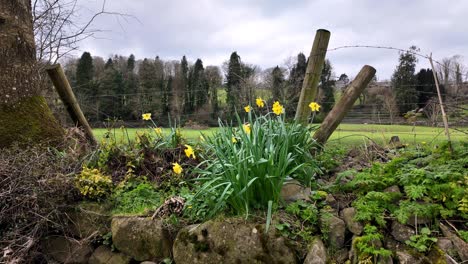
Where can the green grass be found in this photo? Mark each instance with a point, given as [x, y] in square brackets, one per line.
[263, 93]
[345, 134]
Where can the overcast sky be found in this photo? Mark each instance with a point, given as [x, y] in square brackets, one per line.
[267, 32]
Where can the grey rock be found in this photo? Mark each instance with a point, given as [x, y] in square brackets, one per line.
[317, 253]
[141, 238]
[415, 220]
[230, 240]
[393, 189]
[90, 219]
[354, 226]
[404, 257]
[334, 228]
[330, 199]
[66, 250]
[460, 245]
[401, 232]
[293, 191]
[445, 244]
[104, 255]
[341, 255]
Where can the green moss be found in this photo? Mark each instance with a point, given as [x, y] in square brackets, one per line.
[29, 121]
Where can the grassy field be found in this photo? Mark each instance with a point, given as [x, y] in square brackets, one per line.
[346, 134]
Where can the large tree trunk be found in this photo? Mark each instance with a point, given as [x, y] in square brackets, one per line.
[24, 114]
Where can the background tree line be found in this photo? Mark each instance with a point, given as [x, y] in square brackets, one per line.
[125, 87]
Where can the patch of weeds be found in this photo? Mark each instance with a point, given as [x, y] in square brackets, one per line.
[137, 200]
[422, 242]
[463, 235]
[369, 246]
[374, 206]
[299, 223]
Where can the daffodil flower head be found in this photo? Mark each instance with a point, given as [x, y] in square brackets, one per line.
[246, 128]
[189, 151]
[176, 168]
[234, 140]
[247, 108]
[146, 116]
[260, 103]
[314, 107]
[278, 108]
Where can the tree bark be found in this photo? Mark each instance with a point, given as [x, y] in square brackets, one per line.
[24, 115]
[309, 89]
[336, 115]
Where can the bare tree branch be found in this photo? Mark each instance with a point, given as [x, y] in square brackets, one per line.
[58, 32]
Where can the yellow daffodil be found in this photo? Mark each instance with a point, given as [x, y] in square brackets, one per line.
[146, 116]
[234, 140]
[246, 128]
[260, 103]
[176, 168]
[189, 151]
[247, 108]
[314, 107]
[278, 108]
[158, 131]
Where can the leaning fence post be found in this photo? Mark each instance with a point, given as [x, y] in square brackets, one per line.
[444, 116]
[312, 76]
[336, 115]
[68, 98]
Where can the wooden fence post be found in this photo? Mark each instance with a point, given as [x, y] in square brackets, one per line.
[312, 76]
[65, 92]
[444, 116]
[350, 95]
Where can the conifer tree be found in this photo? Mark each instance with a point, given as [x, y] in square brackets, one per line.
[199, 85]
[277, 84]
[86, 87]
[85, 75]
[233, 85]
[186, 87]
[404, 81]
[296, 78]
[148, 91]
[327, 85]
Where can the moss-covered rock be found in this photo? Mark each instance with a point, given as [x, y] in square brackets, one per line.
[104, 255]
[141, 238]
[317, 253]
[90, 218]
[65, 250]
[28, 121]
[230, 241]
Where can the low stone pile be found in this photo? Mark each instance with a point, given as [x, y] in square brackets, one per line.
[235, 240]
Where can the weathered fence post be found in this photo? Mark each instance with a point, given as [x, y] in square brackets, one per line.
[351, 94]
[312, 76]
[65, 92]
[444, 116]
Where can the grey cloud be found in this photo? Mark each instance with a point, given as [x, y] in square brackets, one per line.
[267, 32]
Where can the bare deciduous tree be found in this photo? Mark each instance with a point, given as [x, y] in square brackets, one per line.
[57, 29]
